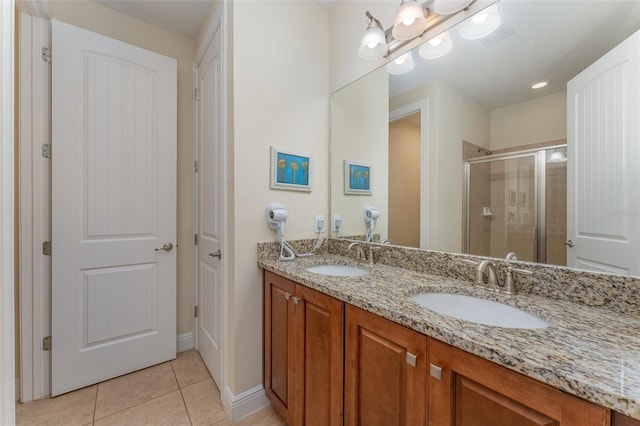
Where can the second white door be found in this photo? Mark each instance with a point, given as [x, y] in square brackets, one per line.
[209, 207]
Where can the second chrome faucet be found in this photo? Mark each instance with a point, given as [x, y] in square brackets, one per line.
[360, 253]
[492, 283]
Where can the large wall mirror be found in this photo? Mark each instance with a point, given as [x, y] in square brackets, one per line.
[458, 152]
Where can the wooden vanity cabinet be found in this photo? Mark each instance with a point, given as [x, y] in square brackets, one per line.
[303, 352]
[472, 391]
[385, 370]
[618, 419]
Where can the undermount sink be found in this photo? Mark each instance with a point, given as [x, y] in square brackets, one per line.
[479, 310]
[338, 270]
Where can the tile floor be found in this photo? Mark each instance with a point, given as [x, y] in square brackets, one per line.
[180, 392]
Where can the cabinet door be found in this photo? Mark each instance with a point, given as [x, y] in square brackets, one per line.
[471, 391]
[278, 343]
[319, 357]
[384, 373]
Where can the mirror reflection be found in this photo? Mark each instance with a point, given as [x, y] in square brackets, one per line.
[467, 146]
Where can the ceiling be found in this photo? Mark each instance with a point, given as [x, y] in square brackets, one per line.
[537, 40]
[184, 17]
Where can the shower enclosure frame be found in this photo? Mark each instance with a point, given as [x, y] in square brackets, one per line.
[539, 189]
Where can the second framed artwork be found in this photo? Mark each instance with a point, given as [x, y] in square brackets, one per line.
[290, 170]
[357, 178]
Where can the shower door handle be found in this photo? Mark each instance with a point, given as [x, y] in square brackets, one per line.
[570, 243]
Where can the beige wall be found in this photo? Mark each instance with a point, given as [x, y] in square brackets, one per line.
[359, 132]
[280, 98]
[540, 120]
[452, 118]
[91, 16]
[404, 182]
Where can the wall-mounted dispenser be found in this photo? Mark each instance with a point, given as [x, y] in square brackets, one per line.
[371, 215]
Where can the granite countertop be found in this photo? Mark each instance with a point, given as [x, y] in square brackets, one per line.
[586, 351]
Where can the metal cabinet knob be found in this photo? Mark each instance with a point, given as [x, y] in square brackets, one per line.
[570, 243]
[165, 247]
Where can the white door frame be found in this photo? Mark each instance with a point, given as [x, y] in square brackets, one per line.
[422, 107]
[217, 24]
[35, 207]
[7, 157]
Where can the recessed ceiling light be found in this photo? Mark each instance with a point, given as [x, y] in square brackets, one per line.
[539, 85]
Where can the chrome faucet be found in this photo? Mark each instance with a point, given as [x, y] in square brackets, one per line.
[358, 249]
[360, 253]
[492, 277]
[511, 256]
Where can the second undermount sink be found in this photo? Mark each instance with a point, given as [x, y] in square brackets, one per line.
[338, 270]
[479, 310]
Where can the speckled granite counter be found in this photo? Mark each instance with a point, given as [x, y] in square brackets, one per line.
[586, 351]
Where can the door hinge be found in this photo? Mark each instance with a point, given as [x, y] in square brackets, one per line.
[195, 311]
[195, 239]
[196, 166]
[46, 248]
[46, 150]
[196, 95]
[46, 343]
[46, 54]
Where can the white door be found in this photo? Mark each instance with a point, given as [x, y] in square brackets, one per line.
[113, 207]
[603, 182]
[210, 198]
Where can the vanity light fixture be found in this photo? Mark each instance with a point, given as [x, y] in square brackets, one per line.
[401, 65]
[374, 42]
[481, 24]
[539, 85]
[437, 47]
[410, 22]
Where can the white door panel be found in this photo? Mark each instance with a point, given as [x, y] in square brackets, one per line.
[603, 207]
[113, 205]
[210, 198]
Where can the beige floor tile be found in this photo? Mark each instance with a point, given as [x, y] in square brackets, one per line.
[265, 417]
[203, 403]
[133, 389]
[189, 368]
[168, 409]
[73, 408]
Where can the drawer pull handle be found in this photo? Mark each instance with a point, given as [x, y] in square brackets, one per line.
[435, 371]
[412, 359]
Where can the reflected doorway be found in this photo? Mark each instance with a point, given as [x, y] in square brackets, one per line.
[404, 181]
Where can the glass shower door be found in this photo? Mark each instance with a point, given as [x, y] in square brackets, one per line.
[502, 206]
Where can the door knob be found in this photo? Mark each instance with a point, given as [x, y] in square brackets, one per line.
[165, 247]
[570, 243]
[217, 254]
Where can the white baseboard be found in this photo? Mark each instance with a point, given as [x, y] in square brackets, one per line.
[240, 406]
[184, 342]
[18, 390]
